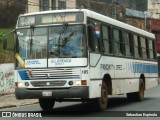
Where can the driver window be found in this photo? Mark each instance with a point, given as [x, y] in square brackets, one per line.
[95, 43]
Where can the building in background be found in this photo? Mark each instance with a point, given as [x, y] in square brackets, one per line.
[43, 5]
[154, 7]
[112, 8]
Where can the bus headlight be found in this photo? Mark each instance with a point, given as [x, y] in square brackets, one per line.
[78, 83]
[21, 84]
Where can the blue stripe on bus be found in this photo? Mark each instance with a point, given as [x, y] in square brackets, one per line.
[24, 75]
[144, 68]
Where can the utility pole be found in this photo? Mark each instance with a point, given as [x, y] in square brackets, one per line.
[145, 19]
[114, 9]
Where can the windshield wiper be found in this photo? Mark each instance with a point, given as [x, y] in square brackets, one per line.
[62, 35]
[63, 31]
[68, 38]
[32, 27]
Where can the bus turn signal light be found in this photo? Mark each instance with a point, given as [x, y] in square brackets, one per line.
[84, 82]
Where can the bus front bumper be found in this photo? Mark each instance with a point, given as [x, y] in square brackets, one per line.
[73, 92]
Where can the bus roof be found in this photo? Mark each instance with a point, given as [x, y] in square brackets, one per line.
[99, 17]
[53, 11]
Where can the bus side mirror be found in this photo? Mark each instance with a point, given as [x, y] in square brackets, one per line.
[5, 43]
[91, 31]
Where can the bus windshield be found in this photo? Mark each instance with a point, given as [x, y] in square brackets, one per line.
[63, 41]
[66, 41]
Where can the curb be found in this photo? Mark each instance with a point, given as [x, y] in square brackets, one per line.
[13, 105]
[10, 101]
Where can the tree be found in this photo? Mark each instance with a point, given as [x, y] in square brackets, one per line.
[1, 37]
[9, 12]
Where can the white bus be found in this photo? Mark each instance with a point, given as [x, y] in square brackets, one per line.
[80, 55]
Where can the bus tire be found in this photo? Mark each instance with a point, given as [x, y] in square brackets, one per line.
[137, 96]
[101, 103]
[46, 104]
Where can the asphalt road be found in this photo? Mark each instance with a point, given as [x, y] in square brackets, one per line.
[118, 106]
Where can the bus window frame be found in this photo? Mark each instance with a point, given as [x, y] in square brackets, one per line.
[147, 48]
[120, 42]
[144, 55]
[131, 43]
[99, 43]
[109, 40]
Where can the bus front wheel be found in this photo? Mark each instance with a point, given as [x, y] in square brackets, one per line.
[101, 103]
[46, 103]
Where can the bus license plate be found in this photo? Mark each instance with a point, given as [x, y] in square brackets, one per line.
[47, 93]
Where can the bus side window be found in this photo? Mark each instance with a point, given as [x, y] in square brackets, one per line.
[154, 49]
[97, 39]
[128, 40]
[91, 38]
[139, 47]
[147, 48]
[117, 42]
[94, 36]
[106, 39]
[151, 49]
[131, 42]
[143, 46]
[136, 46]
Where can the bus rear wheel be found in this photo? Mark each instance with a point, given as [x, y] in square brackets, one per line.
[101, 103]
[140, 93]
[137, 96]
[46, 104]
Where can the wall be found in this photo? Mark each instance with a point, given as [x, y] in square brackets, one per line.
[158, 42]
[7, 78]
[71, 4]
[154, 7]
[33, 6]
[155, 23]
[137, 22]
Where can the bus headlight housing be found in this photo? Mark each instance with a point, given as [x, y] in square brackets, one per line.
[81, 82]
[78, 83]
[84, 82]
[19, 85]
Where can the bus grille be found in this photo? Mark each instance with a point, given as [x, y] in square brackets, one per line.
[50, 74]
[48, 83]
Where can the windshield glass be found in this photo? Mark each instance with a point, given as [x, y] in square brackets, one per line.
[37, 45]
[67, 41]
[32, 43]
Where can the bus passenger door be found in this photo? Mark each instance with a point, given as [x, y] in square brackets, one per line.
[95, 48]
